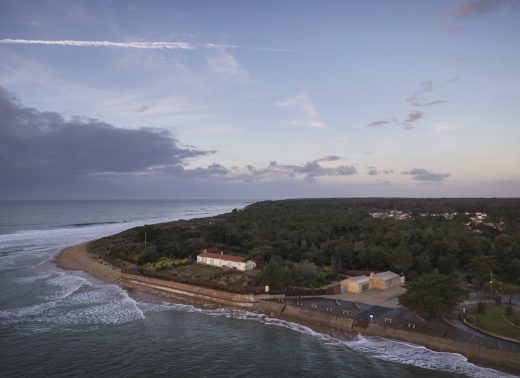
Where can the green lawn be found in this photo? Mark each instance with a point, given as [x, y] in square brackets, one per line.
[206, 273]
[492, 321]
[191, 271]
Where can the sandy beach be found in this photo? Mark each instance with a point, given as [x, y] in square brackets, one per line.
[78, 258]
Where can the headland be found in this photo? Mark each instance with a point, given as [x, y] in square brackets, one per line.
[338, 319]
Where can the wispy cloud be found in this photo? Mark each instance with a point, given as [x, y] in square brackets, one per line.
[412, 118]
[226, 46]
[416, 98]
[421, 174]
[308, 171]
[473, 8]
[75, 43]
[222, 62]
[328, 158]
[382, 122]
[469, 9]
[153, 45]
[373, 171]
[302, 102]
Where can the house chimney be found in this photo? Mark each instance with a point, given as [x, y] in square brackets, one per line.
[372, 274]
[221, 252]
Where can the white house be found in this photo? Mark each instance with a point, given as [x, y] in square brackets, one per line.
[216, 257]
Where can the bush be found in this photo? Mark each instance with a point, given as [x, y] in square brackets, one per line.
[509, 310]
[481, 307]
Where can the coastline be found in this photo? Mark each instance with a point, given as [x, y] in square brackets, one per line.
[79, 258]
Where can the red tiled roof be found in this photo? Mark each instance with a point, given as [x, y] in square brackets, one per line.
[222, 257]
[212, 250]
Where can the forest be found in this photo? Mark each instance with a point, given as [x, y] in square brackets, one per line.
[308, 242]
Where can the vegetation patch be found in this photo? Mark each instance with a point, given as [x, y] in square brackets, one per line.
[308, 242]
[492, 320]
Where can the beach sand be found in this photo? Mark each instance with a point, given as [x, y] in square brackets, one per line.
[78, 258]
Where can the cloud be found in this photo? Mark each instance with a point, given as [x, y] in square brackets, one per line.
[328, 158]
[76, 43]
[46, 155]
[44, 147]
[412, 118]
[308, 171]
[223, 63]
[382, 122]
[373, 171]
[421, 174]
[469, 9]
[226, 46]
[154, 45]
[473, 8]
[143, 108]
[302, 102]
[416, 98]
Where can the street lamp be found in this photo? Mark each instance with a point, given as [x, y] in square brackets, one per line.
[491, 282]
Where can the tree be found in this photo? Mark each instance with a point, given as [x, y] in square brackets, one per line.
[400, 259]
[482, 266]
[433, 294]
[510, 289]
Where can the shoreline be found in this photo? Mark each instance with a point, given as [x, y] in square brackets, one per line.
[79, 258]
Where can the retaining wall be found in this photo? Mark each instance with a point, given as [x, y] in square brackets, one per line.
[474, 352]
[306, 315]
[201, 293]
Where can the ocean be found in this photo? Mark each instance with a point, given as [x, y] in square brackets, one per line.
[56, 323]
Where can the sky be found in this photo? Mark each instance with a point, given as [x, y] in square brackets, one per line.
[259, 99]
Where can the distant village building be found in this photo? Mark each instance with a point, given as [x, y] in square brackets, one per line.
[215, 257]
[395, 214]
[380, 281]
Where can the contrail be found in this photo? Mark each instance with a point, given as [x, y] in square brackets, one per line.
[127, 45]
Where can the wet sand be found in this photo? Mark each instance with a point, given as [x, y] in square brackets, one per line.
[78, 258]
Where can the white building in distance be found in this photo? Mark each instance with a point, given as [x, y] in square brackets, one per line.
[216, 257]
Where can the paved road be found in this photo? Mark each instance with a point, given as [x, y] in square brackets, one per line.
[482, 337]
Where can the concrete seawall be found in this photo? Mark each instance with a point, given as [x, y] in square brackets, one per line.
[474, 352]
[304, 315]
[192, 291]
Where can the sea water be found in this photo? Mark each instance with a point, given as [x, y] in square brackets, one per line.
[67, 324]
